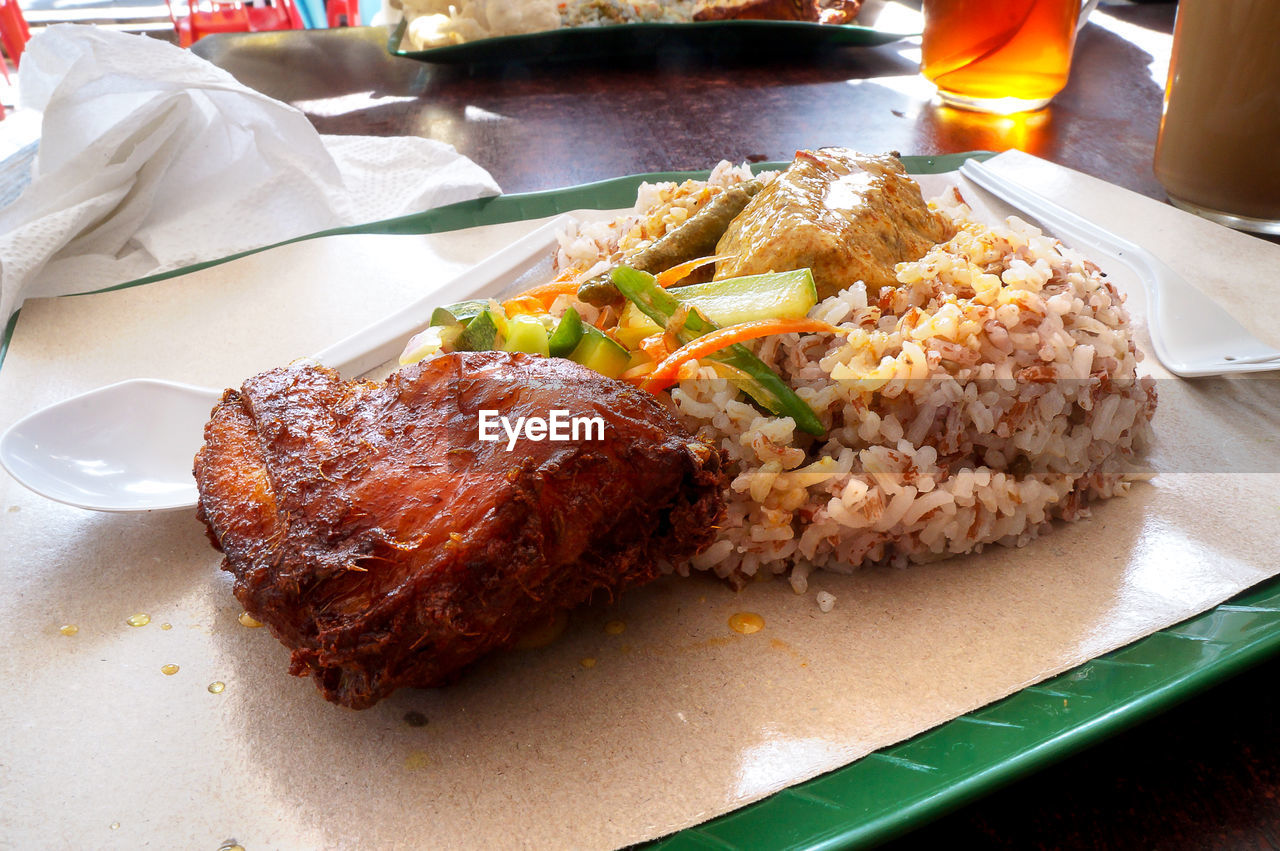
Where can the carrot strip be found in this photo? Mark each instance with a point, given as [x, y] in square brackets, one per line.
[523, 304]
[655, 346]
[607, 322]
[547, 293]
[678, 273]
[668, 372]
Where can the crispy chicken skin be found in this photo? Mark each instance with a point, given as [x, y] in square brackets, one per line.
[387, 546]
[847, 216]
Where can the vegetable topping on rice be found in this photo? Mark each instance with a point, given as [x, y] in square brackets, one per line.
[891, 381]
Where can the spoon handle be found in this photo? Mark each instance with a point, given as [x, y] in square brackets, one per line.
[1192, 334]
[381, 341]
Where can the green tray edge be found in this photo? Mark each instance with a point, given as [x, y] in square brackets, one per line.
[501, 48]
[499, 209]
[902, 787]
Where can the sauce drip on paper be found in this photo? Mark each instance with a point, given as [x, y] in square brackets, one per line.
[746, 622]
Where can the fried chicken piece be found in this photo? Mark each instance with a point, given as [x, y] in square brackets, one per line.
[847, 216]
[386, 545]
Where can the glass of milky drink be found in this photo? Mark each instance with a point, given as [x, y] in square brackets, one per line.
[1218, 153]
[1000, 56]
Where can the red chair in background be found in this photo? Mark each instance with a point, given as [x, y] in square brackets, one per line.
[343, 13]
[14, 34]
[205, 17]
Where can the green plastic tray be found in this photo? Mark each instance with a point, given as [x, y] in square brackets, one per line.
[903, 786]
[602, 195]
[895, 789]
[716, 38]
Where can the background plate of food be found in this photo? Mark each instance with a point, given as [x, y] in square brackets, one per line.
[894, 691]
[498, 32]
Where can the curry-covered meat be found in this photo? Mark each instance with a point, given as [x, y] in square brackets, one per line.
[387, 545]
[847, 216]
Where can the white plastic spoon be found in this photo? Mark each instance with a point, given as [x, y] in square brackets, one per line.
[130, 446]
[1193, 336]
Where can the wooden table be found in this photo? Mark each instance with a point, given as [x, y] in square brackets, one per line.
[1206, 774]
[552, 125]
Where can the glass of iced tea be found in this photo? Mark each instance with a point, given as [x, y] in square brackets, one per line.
[1000, 56]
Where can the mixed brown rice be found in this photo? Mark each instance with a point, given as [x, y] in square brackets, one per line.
[994, 390]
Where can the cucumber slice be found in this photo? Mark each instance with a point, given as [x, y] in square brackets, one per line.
[526, 334]
[481, 334]
[442, 316]
[567, 335]
[773, 295]
[430, 342]
[598, 352]
[462, 312]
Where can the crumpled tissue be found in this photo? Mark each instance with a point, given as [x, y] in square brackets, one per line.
[152, 158]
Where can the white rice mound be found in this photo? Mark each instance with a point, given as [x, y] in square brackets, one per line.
[588, 248]
[993, 391]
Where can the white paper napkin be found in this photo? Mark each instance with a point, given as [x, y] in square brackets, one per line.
[152, 158]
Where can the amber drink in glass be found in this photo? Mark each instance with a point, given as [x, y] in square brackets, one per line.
[1000, 56]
